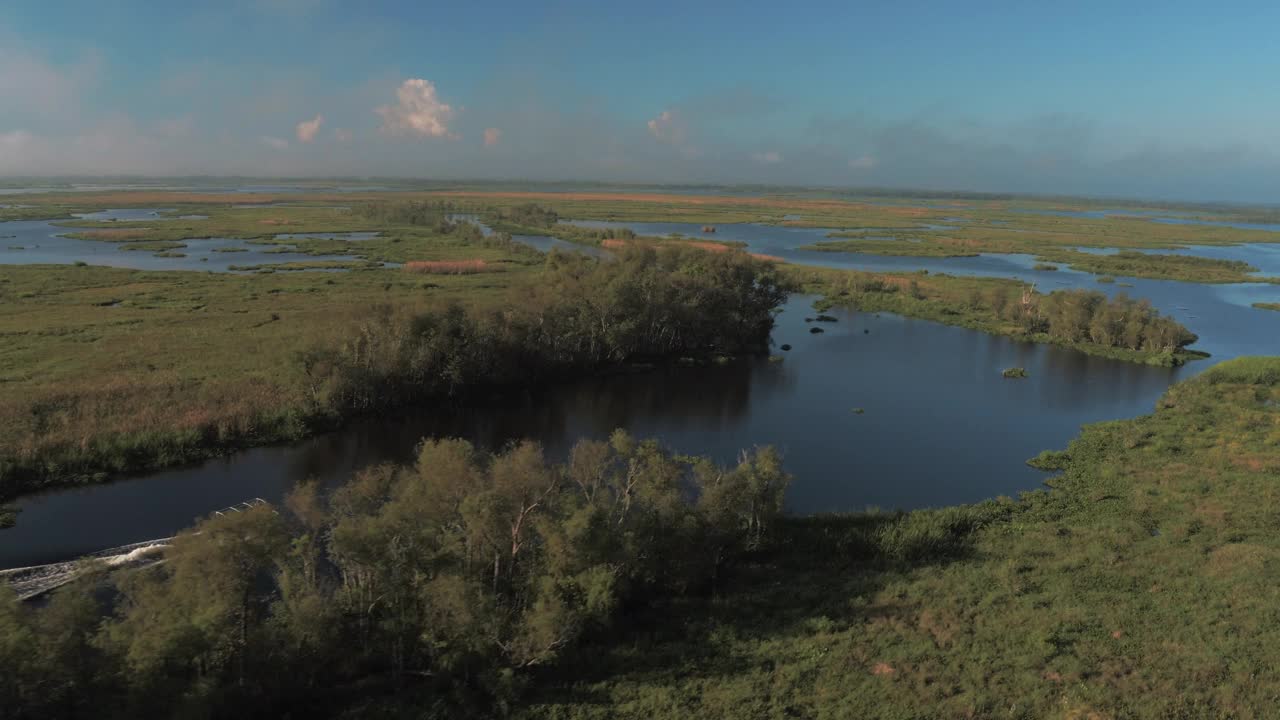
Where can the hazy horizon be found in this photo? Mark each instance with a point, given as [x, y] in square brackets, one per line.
[1152, 101]
[411, 183]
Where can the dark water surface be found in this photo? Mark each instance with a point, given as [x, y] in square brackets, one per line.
[940, 426]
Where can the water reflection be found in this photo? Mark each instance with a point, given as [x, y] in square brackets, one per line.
[940, 426]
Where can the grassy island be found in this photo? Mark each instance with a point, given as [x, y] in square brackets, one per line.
[1121, 328]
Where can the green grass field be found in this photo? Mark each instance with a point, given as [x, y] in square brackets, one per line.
[104, 356]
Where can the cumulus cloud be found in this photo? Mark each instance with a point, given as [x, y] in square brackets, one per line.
[274, 142]
[492, 136]
[771, 157]
[863, 162]
[669, 127]
[418, 111]
[308, 129]
[342, 135]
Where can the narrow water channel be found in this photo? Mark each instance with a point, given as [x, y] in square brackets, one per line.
[938, 425]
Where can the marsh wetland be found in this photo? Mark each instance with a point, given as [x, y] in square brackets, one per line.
[169, 353]
[892, 368]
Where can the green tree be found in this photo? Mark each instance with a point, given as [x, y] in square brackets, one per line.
[19, 666]
[193, 623]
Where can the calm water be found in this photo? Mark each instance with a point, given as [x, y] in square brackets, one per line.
[539, 242]
[40, 242]
[1221, 314]
[547, 244]
[1264, 256]
[940, 426]
[124, 214]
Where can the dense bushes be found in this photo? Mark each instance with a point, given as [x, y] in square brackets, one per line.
[441, 218]
[431, 214]
[1089, 320]
[450, 579]
[1082, 315]
[647, 304]
[530, 214]
[1088, 316]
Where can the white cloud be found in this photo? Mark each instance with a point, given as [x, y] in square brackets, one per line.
[274, 142]
[40, 85]
[307, 129]
[418, 111]
[668, 127]
[492, 136]
[863, 162]
[342, 135]
[772, 157]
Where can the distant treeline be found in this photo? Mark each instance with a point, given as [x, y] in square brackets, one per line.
[526, 218]
[399, 212]
[438, 216]
[446, 586]
[647, 304]
[530, 214]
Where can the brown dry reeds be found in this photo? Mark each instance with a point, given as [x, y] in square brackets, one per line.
[448, 267]
[706, 245]
[122, 425]
[616, 243]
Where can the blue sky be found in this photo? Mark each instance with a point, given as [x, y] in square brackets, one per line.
[1146, 99]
